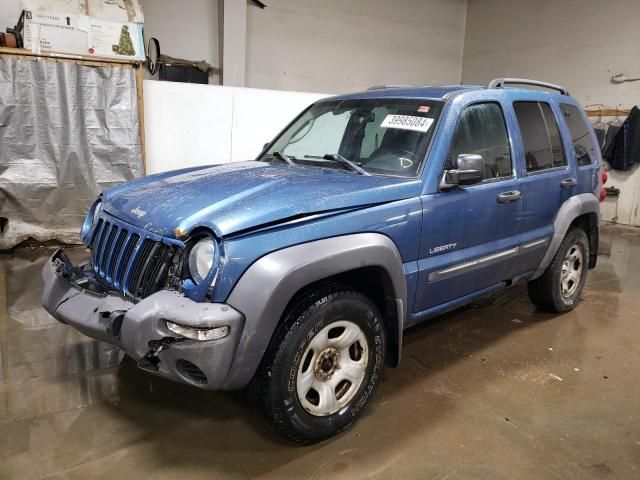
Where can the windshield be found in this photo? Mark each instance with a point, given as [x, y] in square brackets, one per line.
[382, 136]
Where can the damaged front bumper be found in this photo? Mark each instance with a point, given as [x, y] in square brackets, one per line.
[140, 329]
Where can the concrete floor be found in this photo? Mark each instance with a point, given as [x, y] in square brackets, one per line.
[496, 390]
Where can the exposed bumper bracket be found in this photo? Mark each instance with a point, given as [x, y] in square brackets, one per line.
[151, 360]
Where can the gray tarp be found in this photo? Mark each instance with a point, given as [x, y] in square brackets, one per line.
[67, 132]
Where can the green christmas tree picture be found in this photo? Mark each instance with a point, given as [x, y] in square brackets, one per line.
[125, 45]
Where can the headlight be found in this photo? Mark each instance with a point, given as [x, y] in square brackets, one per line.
[96, 211]
[91, 219]
[201, 259]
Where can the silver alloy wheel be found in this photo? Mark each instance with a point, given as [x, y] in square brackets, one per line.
[332, 368]
[571, 271]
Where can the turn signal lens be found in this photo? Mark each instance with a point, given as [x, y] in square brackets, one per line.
[199, 334]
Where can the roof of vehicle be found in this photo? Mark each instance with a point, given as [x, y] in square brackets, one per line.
[435, 92]
[442, 92]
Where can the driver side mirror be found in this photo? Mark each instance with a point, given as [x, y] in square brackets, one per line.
[468, 170]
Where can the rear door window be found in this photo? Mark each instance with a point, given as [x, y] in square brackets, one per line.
[540, 136]
[583, 145]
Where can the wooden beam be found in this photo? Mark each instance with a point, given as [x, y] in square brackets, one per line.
[23, 52]
[608, 112]
[140, 96]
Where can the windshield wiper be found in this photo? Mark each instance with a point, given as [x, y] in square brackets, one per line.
[283, 157]
[336, 157]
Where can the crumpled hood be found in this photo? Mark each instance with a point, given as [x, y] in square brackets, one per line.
[239, 196]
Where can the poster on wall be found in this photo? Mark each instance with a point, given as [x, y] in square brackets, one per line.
[81, 35]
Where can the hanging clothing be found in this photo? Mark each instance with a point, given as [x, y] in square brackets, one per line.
[624, 150]
[610, 136]
[601, 134]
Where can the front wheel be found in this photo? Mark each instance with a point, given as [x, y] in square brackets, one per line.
[323, 364]
[560, 286]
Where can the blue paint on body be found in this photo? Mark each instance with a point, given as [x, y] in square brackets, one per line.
[254, 208]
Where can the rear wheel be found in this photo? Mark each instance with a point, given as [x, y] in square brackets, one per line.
[560, 286]
[323, 364]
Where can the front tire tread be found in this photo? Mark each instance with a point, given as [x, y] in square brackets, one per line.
[283, 415]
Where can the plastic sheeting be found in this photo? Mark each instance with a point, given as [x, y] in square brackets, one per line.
[67, 132]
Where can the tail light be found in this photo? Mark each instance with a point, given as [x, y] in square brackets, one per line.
[604, 177]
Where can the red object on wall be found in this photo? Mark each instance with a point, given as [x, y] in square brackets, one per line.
[604, 177]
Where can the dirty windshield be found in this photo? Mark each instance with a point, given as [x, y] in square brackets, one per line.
[382, 136]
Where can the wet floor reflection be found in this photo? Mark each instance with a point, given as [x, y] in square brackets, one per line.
[495, 390]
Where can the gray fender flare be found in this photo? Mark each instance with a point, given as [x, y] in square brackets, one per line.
[267, 286]
[571, 209]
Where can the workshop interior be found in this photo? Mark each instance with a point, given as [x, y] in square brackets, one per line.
[319, 238]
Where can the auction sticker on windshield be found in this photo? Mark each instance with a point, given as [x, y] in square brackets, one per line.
[407, 122]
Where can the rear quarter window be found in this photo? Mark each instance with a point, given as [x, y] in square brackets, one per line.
[583, 145]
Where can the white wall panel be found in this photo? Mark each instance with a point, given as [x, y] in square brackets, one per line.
[188, 125]
[259, 115]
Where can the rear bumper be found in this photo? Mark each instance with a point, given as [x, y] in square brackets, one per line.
[140, 328]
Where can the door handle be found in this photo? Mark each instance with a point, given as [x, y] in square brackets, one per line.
[508, 197]
[568, 183]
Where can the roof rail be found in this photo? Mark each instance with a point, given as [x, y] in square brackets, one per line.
[382, 87]
[501, 82]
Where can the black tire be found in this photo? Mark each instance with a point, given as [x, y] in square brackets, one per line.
[546, 291]
[276, 381]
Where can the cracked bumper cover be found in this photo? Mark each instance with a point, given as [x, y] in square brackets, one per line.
[143, 325]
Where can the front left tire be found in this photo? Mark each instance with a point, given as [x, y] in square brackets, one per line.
[323, 365]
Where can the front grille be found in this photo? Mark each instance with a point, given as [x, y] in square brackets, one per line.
[150, 271]
[134, 263]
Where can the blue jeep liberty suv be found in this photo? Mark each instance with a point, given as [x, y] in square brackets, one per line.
[297, 272]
